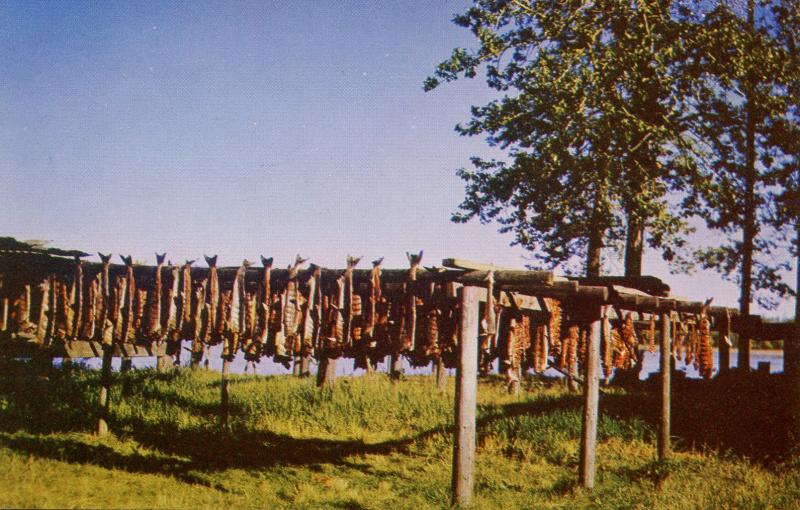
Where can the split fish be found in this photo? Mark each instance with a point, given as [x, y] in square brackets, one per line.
[154, 332]
[128, 312]
[409, 320]
[264, 301]
[212, 300]
[77, 299]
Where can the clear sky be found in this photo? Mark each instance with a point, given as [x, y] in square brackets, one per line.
[245, 128]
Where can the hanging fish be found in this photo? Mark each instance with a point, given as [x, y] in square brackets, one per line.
[185, 313]
[688, 356]
[286, 333]
[89, 324]
[622, 358]
[374, 299]
[212, 300]
[54, 312]
[630, 339]
[348, 310]
[264, 302]
[705, 353]
[572, 349]
[192, 327]
[170, 326]
[488, 329]
[554, 326]
[138, 317]
[311, 313]
[608, 348]
[76, 296]
[23, 312]
[408, 325]
[44, 310]
[237, 313]
[128, 312]
[103, 306]
[154, 331]
[249, 345]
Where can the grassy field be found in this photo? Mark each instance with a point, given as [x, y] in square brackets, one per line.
[368, 443]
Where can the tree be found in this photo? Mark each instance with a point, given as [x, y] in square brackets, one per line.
[741, 104]
[591, 122]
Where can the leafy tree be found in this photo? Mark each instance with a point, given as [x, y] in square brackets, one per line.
[741, 73]
[591, 118]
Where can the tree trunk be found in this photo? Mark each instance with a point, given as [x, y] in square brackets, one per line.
[749, 227]
[634, 247]
[126, 365]
[791, 357]
[593, 253]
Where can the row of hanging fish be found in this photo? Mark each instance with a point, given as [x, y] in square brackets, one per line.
[300, 313]
[538, 342]
[297, 314]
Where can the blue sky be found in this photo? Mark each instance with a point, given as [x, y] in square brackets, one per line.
[242, 128]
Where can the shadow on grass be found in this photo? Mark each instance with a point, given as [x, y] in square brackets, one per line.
[740, 414]
[743, 415]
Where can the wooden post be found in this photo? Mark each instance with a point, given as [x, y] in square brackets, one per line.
[591, 392]
[666, 376]
[396, 366]
[126, 365]
[744, 352]
[326, 372]
[305, 366]
[441, 376]
[163, 363]
[104, 403]
[466, 396]
[226, 370]
[296, 366]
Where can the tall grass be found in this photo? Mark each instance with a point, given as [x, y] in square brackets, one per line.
[367, 443]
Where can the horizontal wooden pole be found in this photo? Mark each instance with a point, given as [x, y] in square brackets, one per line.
[78, 349]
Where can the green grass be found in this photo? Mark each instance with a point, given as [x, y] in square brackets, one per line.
[368, 443]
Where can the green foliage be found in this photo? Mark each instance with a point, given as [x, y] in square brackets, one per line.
[739, 80]
[590, 115]
[367, 443]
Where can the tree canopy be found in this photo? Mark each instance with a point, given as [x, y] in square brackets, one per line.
[624, 120]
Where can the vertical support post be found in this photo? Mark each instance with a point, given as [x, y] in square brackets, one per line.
[305, 366]
[296, 365]
[163, 363]
[591, 392]
[226, 370]
[396, 366]
[466, 397]
[104, 402]
[744, 351]
[791, 371]
[126, 365]
[724, 348]
[441, 376]
[666, 379]
[326, 372]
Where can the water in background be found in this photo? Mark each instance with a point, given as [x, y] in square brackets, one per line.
[344, 366]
